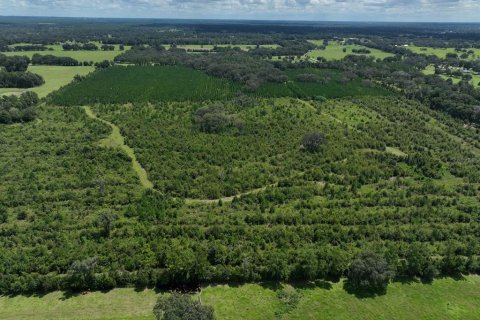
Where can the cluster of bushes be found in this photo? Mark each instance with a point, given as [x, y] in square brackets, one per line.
[15, 75]
[31, 47]
[79, 46]
[361, 51]
[215, 118]
[51, 60]
[20, 80]
[17, 109]
[14, 63]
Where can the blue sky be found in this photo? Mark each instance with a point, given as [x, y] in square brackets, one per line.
[350, 10]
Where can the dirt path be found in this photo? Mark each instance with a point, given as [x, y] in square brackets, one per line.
[116, 140]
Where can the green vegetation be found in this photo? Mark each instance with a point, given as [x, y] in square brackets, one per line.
[141, 83]
[442, 52]
[335, 186]
[337, 51]
[331, 84]
[444, 299]
[280, 228]
[173, 83]
[210, 47]
[115, 140]
[55, 77]
[475, 81]
[84, 55]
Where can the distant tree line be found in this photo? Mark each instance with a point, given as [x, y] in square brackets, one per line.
[80, 46]
[231, 64]
[51, 60]
[459, 100]
[29, 47]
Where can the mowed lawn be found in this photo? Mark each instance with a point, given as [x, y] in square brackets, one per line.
[54, 76]
[81, 56]
[442, 52]
[447, 299]
[334, 51]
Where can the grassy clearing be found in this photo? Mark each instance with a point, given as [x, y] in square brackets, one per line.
[334, 51]
[55, 78]
[57, 50]
[442, 52]
[117, 304]
[443, 299]
[116, 140]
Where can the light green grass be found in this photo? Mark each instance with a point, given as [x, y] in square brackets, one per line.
[116, 304]
[334, 51]
[116, 140]
[250, 301]
[444, 299]
[95, 56]
[54, 76]
[442, 52]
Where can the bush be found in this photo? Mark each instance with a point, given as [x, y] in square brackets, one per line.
[3, 214]
[370, 271]
[313, 141]
[181, 307]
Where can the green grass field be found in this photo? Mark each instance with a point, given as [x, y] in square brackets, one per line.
[334, 51]
[443, 299]
[442, 52]
[54, 76]
[95, 56]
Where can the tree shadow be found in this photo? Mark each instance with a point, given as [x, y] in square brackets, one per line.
[326, 285]
[363, 292]
[70, 294]
[272, 285]
[406, 279]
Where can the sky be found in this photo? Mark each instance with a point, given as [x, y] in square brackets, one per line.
[314, 10]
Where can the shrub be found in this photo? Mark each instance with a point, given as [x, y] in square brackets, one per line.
[313, 141]
[181, 307]
[370, 271]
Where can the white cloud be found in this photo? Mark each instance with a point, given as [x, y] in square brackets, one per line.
[379, 10]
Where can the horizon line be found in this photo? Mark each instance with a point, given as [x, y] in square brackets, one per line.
[237, 19]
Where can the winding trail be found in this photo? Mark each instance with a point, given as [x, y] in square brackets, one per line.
[116, 140]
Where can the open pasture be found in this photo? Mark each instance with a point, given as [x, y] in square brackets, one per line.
[442, 52]
[444, 299]
[335, 51]
[55, 77]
